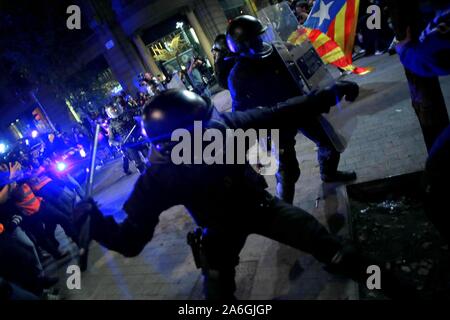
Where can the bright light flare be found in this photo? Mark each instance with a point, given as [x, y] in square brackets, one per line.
[61, 166]
[82, 153]
[2, 148]
[34, 134]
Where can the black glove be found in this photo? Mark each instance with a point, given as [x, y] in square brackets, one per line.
[83, 210]
[349, 89]
[320, 101]
[332, 95]
[16, 220]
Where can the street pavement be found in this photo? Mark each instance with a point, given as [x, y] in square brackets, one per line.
[383, 139]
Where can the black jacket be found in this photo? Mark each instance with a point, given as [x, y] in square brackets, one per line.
[217, 196]
[120, 127]
[260, 82]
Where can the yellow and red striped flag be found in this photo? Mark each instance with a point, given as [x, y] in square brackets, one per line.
[331, 27]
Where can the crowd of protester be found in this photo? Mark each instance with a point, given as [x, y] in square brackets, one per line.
[368, 41]
[195, 75]
[36, 195]
[35, 198]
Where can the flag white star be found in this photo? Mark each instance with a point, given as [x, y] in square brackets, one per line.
[324, 12]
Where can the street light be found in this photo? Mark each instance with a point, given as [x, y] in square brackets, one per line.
[194, 35]
[179, 25]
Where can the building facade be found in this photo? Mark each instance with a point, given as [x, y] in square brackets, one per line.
[145, 36]
[134, 36]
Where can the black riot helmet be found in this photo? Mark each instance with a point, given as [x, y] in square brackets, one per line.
[220, 43]
[245, 37]
[114, 110]
[171, 110]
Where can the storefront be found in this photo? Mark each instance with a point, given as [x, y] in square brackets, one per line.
[175, 46]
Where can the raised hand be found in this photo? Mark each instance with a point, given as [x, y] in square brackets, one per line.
[14, 170]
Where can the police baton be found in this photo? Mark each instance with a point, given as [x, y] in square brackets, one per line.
[90, 181]
[84, 236]
[128, 135]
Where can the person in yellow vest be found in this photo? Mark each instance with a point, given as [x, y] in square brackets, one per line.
[45, 186]
[20, 260]
[39, 214]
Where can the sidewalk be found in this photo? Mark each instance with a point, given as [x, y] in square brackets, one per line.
[384, 140]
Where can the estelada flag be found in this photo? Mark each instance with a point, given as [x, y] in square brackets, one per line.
[331, 27]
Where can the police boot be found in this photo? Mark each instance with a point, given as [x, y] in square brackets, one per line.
[329, 162]
[351, 263]
[287, 176]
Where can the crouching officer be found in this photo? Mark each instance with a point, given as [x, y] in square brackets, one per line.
[124, 133]
[260, 78]
[202, 188]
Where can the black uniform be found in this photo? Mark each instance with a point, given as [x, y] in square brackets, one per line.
[222, 68]
[223, 60]
[265, 82]
[438, 175]
[228, 201]
[119, 128]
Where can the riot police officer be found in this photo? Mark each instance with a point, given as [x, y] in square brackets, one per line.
[223, 60]
[260, 78]
[124, 133]
[229, 201]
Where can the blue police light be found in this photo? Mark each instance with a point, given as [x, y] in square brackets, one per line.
[61, 166]
[34, 134]
[2, 148]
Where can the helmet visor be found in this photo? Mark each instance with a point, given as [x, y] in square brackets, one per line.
[114, 111]
[258, 47]
[253, 48]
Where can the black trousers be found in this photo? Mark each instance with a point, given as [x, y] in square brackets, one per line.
[19, 263]
[43, 224]
[132, 153]
[58, 197]
[289, 171]
[10, 291]
[274, 219]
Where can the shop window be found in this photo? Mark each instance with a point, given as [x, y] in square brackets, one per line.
[234, 8]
